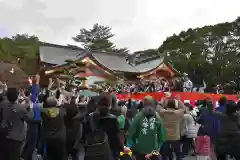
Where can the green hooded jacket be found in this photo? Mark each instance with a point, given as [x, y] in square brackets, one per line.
[146, 135]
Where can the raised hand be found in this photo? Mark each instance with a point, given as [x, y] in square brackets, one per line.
[30, 80]
[37, 78]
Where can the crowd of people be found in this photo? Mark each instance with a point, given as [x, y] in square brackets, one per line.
[144, 86]
[160, 85]
[56, 124]
[179, 84]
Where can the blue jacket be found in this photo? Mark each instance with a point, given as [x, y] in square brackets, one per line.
[210, 125]
[34, 94]
[220, 109]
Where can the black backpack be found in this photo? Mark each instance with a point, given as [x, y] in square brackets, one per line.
[5, 120]
[96, 143]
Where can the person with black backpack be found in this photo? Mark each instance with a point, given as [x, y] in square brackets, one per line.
[101, 132]
[12, 128]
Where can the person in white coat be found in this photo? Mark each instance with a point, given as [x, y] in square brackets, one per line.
[187, 85]
[191, 131]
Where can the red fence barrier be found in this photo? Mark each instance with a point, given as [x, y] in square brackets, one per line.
[184, 96]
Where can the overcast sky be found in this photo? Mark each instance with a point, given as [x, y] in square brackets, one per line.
[137, 24]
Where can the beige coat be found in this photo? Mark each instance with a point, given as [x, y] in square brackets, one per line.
[171, 121]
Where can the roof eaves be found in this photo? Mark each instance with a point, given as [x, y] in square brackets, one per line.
[60, 46]
[89, 55]
[175, 70]
[65, 64]
[98, 59]
[148, 59]
[150, 69]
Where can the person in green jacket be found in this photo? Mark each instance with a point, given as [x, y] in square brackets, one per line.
[146, 132]
[122, 117]
[121, 120]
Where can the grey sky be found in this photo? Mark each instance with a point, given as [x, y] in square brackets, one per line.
[137, 24]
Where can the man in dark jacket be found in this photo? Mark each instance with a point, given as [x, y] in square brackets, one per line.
[16, 114]
[54, 131]
[228, 141]
[73, 128]
[222, 102]
[209, 121]
[106, 122]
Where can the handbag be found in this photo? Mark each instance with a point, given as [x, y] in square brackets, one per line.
[203, 145]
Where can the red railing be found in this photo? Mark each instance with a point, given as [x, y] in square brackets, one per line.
[184, 96]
